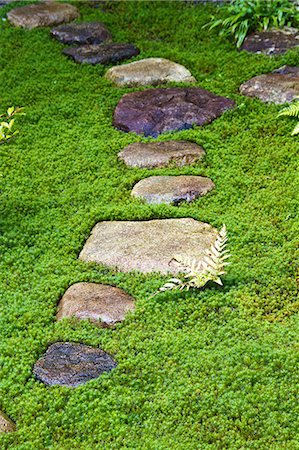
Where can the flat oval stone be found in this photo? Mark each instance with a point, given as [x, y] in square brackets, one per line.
[6, 425]
[106, 305]
[148, 246]
[274, 42]
[101, 53]
[155, 111]
[43, 14]
[280, 86]
[81, 33]
[172, 189]
[150, 71]
[70, 364]
[161, 154]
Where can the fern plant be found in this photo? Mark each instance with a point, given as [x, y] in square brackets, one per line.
[199, 273]
[291, 111]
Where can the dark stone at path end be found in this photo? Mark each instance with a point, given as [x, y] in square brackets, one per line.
[102, 53]
[273, 42]
[155, 111]
[81, 33]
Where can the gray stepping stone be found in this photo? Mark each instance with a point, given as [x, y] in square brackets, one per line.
[280, 86]
[69, 364]
[148, 246]
[161, 154]
[155, 111]
[43, 14]
[172, 189]
[150, 71]
[103, 304]
[81, 33]
[274, 42]
[6, 425]
[101, 53]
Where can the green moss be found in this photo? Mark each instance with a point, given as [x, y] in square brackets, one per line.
[209, 370]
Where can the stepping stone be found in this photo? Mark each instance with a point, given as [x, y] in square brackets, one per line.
[274, 42]
[69, 364]
[149, 71]
[6, 425]
[172, 189]
[148, 246]
[103, 304]
[280, 86]
[102, 53]
[81, 33]
[43, 14]
[161, 154]
[155, 111]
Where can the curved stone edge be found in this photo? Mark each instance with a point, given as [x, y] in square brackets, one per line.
[6, 424]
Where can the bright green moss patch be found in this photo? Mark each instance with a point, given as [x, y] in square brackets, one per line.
[210, 370]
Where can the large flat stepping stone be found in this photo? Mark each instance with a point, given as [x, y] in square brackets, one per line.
[101, 53]
[82, 33]
[172, 189]
[43, 14]
[6, 425]
[69, 364]
[155, 111]
[279, 86]
[274, 42]
[103, 304]
[150, 71]
[147, 246]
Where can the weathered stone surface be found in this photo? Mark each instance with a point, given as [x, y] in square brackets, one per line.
[69, 364]
[147, 246]
[6, 425]
[101, 53]
[172, 189]
[81, 33]
[156, 111]
[279, 86]
[103, 304]
[42, 14]
[273, 42]
[150, 71]
[160, 154]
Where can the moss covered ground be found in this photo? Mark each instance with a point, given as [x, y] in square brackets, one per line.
[216, 369]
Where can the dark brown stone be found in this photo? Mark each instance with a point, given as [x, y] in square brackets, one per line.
[103, 304]
[101, 53]
[172, 189]
[69, 364]
[6, 425]
[273, 42]
[161, 154]
[155, 111]
[81, 33]
[280, 86]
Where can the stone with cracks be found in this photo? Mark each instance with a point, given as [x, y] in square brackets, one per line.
[161, 154]
[44, 14]
[70, 364]
[272, 42]
[150, 71]
[103, 304]
[81, 33]
[172, 189]
[280, 86]
[101, 53]
[155, 111]
[6, 425]
[148, 246]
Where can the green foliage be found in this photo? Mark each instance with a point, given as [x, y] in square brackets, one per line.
[199, 273]
[244, 16]
[291, 111]
[7, 124]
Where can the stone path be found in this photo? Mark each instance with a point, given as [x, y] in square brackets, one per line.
[102, 53]
[150, 71]
[82, 33]
[172, 189]
[274, 42]
[155, 111]
[103, 304]
[279, 86]
[161, 154]
[70, 364]
[6, 425]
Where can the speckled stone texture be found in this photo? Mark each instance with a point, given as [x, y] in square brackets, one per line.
[81, 33]
[101, 53]
[273, 42]
[155, 111]
[6, 425]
